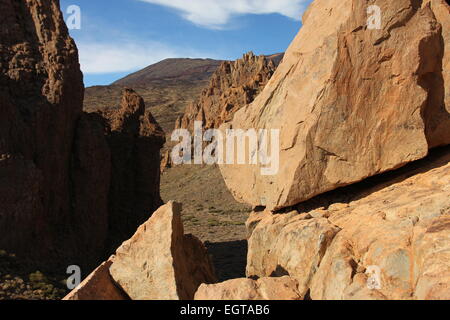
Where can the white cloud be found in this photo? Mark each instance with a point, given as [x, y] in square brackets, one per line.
[102, 58]
[217, 13]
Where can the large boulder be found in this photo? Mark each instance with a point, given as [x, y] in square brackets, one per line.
[283, 288]
[350, 101]
[386, 238]
[289, 245]
[161, 263]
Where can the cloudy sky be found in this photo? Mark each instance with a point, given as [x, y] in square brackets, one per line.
[118, 37]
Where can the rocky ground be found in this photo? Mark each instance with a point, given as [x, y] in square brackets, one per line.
[20, 281]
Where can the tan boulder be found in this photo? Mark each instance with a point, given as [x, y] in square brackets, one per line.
[161, 263]
[289, 245]
[99, 285]
[388, 237]
[350, 102]
[432, 259]
[283, 288]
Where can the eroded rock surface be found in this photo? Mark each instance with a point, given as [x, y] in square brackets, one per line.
[234, 85]
[351, 102]
[283, 288]
[135, 140]
[397, 223]
[41, 94]
[161, 263]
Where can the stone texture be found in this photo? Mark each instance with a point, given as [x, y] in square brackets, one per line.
[438, 128]
[41, 94]
[63, 178]
[283, 288]
[234, 85]
[350, 102]
[99, 285]
[161, 263]
[289, 245]
[398, 222]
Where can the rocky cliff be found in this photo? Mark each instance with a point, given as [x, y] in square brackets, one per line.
[58, 166]
[41, 101]
[234, 85]
[135, 140]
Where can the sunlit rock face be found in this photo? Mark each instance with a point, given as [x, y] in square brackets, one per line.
[350, 101]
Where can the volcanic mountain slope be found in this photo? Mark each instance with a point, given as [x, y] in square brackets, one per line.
[167, 88]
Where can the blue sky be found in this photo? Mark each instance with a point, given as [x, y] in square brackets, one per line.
[118, 37]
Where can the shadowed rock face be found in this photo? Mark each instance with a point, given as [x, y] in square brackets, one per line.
[234, 85]
[135, 140]
[58, 166]
[349, 102]
[41, 94]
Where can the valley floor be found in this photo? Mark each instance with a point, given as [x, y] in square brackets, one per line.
[210, 213]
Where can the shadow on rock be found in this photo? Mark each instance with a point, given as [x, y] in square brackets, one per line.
[229, 258]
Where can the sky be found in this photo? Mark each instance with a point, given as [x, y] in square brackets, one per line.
[118, 37]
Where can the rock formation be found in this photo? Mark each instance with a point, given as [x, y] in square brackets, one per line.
[161, 263]
[283, 288]
[360, 208]
[333, 98]
[234, 85]
[350, 102]
[41, 101]
[398, 222]
[63, 173]
[135, 140]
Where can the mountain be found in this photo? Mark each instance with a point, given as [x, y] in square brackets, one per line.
[172, 70]
[167, 87]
